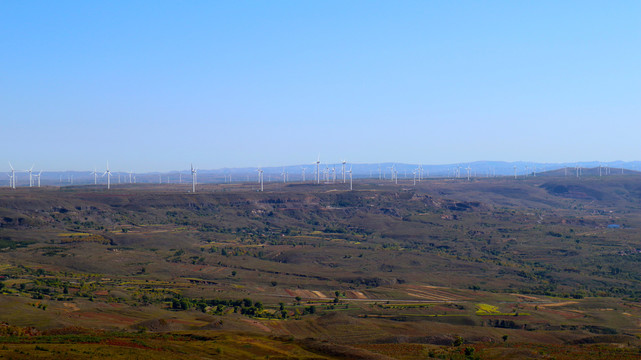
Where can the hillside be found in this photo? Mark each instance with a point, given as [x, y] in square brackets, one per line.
[543, 260]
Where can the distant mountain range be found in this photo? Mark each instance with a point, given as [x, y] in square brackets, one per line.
[295, 172]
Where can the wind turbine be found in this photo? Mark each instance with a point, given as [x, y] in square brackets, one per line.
[193, 178]
[344, 162]
[468, 172]
[30, 171]
[95, 176]
[284, 174]
[515, 171]
[12, 184]
[303, 169]
[260, 178]
[350, 179]
[318, 170]
[40, 173]
[108, 173]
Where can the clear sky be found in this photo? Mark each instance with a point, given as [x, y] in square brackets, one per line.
[155, 85]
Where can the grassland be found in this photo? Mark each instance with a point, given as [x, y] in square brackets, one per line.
[492, 268]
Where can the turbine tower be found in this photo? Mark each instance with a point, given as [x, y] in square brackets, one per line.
[40, 173]
[30, 171]
[12, 183]
[350, 179]
[344, 162]
[318, 170]
[95, 176]
[108, 173]
[193, 178]
[260, 178]
[303, 170]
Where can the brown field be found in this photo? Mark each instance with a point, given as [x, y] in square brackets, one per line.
[304, 271]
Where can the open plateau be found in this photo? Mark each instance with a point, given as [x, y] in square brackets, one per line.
[539, 267]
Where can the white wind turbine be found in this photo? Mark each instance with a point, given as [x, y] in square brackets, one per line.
[318, 170]
[193, 178]
[469, 169]
[12, 183]
[350, 179]
[38, 175]
[30, 171]
[515, 171]
[303, 170]
[108, 173]
[344, 162]
[394, 174]
[260, 178]
[95, 176]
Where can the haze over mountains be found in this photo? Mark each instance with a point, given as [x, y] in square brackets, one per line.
[295, 172]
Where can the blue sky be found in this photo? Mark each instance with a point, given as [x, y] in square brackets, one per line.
[153, 85]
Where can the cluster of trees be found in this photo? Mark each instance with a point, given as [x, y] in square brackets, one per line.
[246, 307]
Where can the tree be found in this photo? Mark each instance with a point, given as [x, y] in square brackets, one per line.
[458, 341]
[504, 338]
